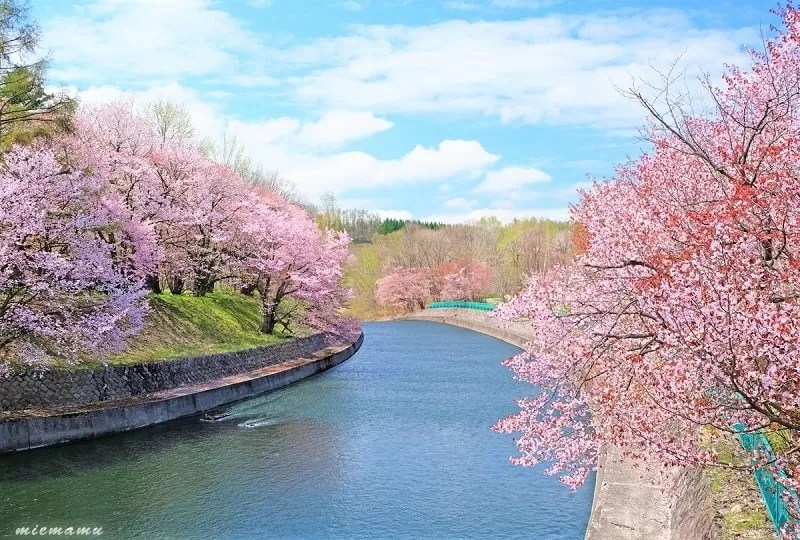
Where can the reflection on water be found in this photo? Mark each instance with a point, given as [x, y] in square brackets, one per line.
[395, 442]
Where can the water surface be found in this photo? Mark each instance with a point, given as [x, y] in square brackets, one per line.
[393, 443]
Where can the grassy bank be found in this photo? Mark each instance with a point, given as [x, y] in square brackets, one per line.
[740, 512]
[185, 326]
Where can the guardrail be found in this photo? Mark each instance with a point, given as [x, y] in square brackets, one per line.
[773, 492]
[481, 306]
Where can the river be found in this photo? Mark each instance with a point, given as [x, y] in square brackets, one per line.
[393, 443]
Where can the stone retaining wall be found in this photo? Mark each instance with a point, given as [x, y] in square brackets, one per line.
[23, 430]
[57, 387]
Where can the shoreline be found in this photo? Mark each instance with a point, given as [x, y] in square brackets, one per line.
[34, 428]
[629, 501]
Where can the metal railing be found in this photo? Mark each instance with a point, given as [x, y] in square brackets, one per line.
[482, 306]
[772, 490]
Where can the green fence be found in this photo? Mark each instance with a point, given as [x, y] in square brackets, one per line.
[772, 490]
[482, 306]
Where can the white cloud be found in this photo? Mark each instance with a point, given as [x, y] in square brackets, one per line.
[458, 203]
[369, 205]
[394, 214]
[511, 179]
[465, 5]
[554, 69]
[332, 130]
[205, 113]
[444, 187]
[274, 130]
[524, 4]
[354, 5]
[143, 40]
[462, 5]
[348, 202]
[503, 214]
[251, 80]
[553, 191]
[349, 170]
[294, 148]
[339, 127]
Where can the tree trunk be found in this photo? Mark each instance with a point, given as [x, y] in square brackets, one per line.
[153, 283]
[203, 284]
[269, 316]
[176, 284]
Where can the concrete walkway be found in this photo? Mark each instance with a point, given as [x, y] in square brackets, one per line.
[629, 500]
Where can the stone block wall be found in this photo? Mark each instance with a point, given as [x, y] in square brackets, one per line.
[57, 387]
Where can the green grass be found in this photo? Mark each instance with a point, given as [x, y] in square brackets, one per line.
[726, 451]
[740, 512]
[719, 478]
[743, 522]
[185, 326]
[779, 439]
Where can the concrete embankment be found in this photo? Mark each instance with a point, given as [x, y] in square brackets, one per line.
[631, 501]
[25, 429]
[473, 320]
[31, 389]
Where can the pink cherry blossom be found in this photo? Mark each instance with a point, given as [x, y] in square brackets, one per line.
[406, 288]
[281, 253]
[71, 261]
[681, 312]
[111, 206]
[464, 280]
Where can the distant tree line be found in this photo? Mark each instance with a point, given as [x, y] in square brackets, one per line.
[454, 255]
[390, 225]
[361, 225]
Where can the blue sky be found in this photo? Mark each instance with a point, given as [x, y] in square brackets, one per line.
[442, 110]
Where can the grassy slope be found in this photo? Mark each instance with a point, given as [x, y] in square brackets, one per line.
[186, 326]
[740, 511]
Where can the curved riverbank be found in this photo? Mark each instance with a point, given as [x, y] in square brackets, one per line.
[82, 385]
[472, 320]
[630, 502]
[32, 428]
[393, 444]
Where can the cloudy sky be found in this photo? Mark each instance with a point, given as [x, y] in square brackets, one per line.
[445, 110]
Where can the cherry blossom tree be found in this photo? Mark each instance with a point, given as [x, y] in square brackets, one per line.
[164, 179]
[465, 280]
[406, 288]
[681, 311]
[412, 288]
[283, 254]
[116, 204]
[207, 204]
[114, 144]
[210, 223]
[72, 262]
